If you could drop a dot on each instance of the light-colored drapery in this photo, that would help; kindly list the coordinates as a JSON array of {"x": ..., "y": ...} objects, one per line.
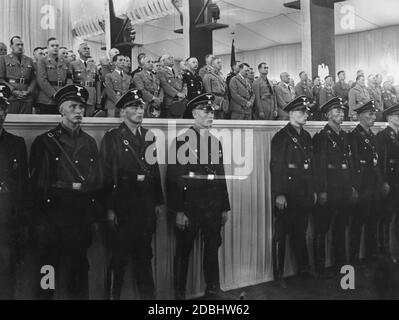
[{"x": 35, "y": 21}]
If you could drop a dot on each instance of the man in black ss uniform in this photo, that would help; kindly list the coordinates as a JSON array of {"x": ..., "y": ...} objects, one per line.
[
  {"x": 368, "y": 183},
  {"x": 134, "y": 196},
  {"x": 192, "y": 80},
  {"x": 293, "y": 188},
  {"x": 334, "y": 175},
  {"x": 198, "y": 196},
  {"x": 65, "y": 179},
  {"x": 388, "y": 152},
  {"x": 13, "y": 178}
]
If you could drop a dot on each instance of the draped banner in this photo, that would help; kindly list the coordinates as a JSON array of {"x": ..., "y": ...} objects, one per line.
[{"x": 35, "y": 21}]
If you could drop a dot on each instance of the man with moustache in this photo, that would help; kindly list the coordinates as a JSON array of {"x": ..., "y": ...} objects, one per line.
[
  {"x": 65, "y": 180},
  {"x": 134, "y": 197},
  {"x": 242, "y": 95},
  {"x": 215, "y": 84},
  {"x": 335, "y": 186},
  {"x": 293, "y": 188},
  {"x": 388, "y": 151},
  {"x": 18, "y": 71},
  {"x": 13, "y": 179},
  {"x": 368, "y": 183},
  {"x": 198, "y": 196}
]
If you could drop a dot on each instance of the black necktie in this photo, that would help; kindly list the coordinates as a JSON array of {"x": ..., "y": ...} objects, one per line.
[
  {"x": 85, "y": 64},
  {"x": 122, "y": 74}
]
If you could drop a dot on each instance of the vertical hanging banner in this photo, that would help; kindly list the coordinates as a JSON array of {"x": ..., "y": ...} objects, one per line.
[
  {"x": 54, "y": 20},
  {"x": 35, "y": 21}
]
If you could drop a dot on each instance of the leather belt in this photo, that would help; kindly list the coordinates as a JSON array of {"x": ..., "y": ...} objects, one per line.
[
  {"x": 344, "y": 166},
  {"x": 86, "y": 83},
  {"x": 57, "y": 83},
  {"x": 294, "y": 166},
  {"x": 76, "y": 186},
  {"x": 19, "y": 81}
]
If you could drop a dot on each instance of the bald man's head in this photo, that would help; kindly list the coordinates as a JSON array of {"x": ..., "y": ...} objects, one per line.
[{"x": 285, "y": 77}]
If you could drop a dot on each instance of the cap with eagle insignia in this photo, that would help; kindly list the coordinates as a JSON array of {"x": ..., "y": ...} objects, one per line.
[
  {"x": 368, "y": 106},
  {"x": 132, "y": 98},
  {"x": 204, "y": 102},
  {"x": 5, "y": 93},
  {"x": 71, "y": 93},
  {"x": 298, "y": 104},
  {"x": 334, "y": 103},
  {"x": 391, "y": 110}
]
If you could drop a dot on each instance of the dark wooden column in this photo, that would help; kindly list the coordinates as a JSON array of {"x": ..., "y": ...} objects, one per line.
[
  {"x": 318, "y": 35},
  {"x": 200, "y": 39}
]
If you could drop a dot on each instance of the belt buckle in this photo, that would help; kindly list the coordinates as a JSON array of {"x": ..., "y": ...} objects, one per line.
[
  {"x": 344, "y": 166},
  {"x": 211, "y": 177},
  {"x": 87, "y": 84},
  {"x": 140, "y": 177},
  {"x": 76, "y": 186},
  {"x": 59, "y": 84},
  {"x": 22, "y": 81},
  {"x": 306, "y": 166},
  {"x": 12, "y": 81}
]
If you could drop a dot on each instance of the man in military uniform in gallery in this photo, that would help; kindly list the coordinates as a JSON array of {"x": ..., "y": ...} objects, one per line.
[
  {"x": 293, "y": 187},
  {"x": 198, "y": 196},
  {"x": 65, "y": 180},
  {"x": 134, "y": 197},
  {"x": 192, "y": 80},
  {"x": 117, "y": 84},
  {"x": 140, "y": 61},
  {"x": 86, "y": 74},
  {"x": 18, "y": 71},
  {"x": 13, "y": 178},
  {"x": 327, "y": 92},
  {"x": 388, "y": 152},
  {"x": 368, "y": 183},
  {"x": 388, "y": 95},
  {"x": 208, "y": 65},
  {"x": 242, "y": 95},
  {"x": 265, "y": 107},
  {"x": 333, "y": 169},
  {"x": 150, "y": 86},
  {"x": 172, "y": 85},
  {"x": 215, "y": 84},
  {"x": 284, "y": 95},
  {"x": 53, "y": 73}
]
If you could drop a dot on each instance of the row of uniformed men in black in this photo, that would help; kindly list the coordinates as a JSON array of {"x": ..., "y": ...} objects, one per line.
[
  {"x": 69, "y": 177},
  {"x": 349, "y": 178}
]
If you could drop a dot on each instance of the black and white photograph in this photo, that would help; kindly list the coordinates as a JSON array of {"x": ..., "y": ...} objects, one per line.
[{"x": 199, "y": 156}]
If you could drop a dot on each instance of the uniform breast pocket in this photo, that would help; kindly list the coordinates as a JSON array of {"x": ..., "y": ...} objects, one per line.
[{"x": 14, "y": 168}]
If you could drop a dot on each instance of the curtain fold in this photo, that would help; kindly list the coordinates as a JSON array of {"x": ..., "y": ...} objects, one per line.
[{"x": 27, "y": 18}]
